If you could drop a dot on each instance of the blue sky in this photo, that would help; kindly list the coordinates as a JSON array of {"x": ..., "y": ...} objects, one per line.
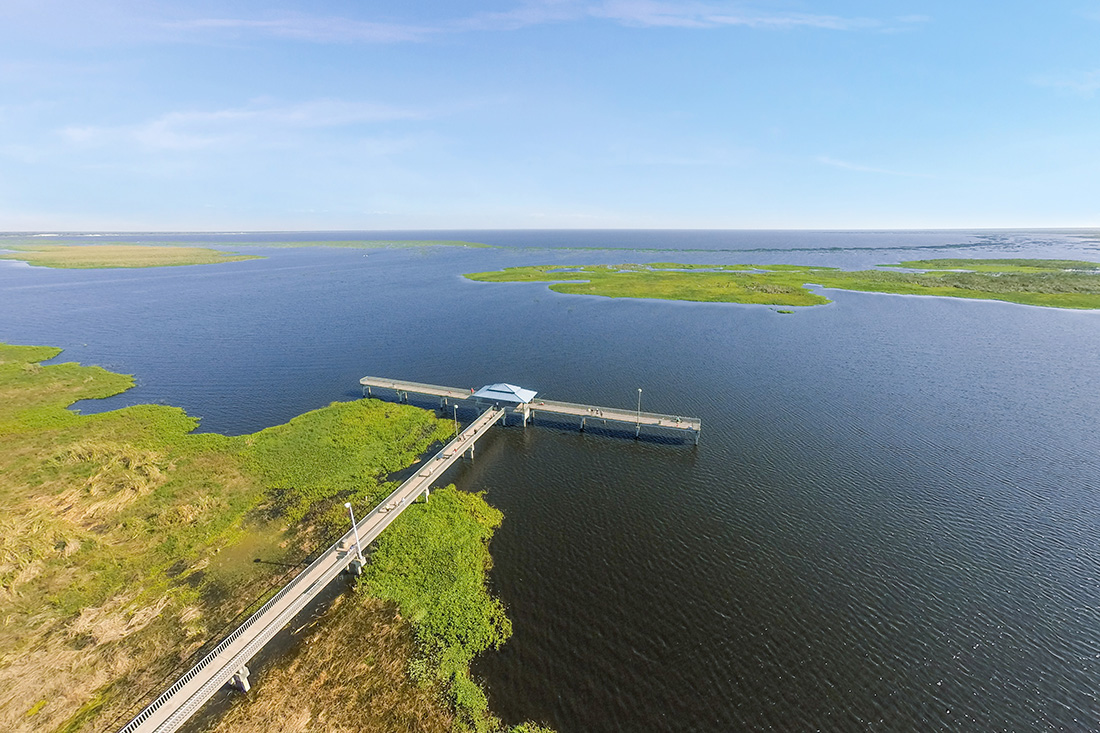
[{"x": 148, "y": 115}]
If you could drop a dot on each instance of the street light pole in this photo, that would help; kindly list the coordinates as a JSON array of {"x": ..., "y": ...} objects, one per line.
[
  {"x": 456, "y": 419},
  {"x": 638, "y": 430},
  {"x": 355, "y": 530}
]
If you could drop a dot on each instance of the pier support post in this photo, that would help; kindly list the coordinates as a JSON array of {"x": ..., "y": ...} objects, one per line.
[
  {"x": 240, "y": 680},
  {"x": 638, "y": 431},
  {"x": 355, "y": 568},
  {"x": 582, "y": 423}
]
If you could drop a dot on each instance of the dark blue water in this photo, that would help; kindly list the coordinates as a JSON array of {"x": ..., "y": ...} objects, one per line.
[{"x": 892, "y": 521}]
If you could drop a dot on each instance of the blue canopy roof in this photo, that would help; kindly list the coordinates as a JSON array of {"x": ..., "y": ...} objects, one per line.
[{"x": 505, "y": 393}]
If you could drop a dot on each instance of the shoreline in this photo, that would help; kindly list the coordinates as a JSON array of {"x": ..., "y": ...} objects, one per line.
[{"x": 139, "y": 538}]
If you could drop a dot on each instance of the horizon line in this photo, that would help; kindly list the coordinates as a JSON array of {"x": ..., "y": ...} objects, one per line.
[{"x": 227, "y": 231}]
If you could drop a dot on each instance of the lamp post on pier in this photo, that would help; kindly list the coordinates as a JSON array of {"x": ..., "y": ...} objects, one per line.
[
  {"x": 456, "y": 418},
  {"x": 638, "y": 429}
]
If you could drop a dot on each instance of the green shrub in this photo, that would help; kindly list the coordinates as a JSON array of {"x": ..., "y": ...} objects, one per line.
[{"x": 433, "y": 562}]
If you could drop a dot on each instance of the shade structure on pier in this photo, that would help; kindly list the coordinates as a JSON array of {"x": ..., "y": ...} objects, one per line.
[{"x": 505, "y": 393}]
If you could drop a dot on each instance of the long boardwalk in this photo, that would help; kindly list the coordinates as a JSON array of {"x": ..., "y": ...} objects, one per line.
[
  {"x": 228, "y": 661},
  {"x": 528, "y": 410}
]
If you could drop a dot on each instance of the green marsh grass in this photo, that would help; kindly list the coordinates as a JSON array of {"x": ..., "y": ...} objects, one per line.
[
  {"x": 110, "y": 255},
  {"x": 105, "y": 256},
  {"x": 1049, "y": 283}
]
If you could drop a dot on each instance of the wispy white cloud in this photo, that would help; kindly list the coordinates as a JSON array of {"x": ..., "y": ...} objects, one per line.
[
  {"x": 111, "y": 21},
  {"x": 848, "y": 166},
  {"x": 197, "y": 130},
  {"x": 631, "y": 13},
  {"x": 670, "y": 14},
  {"x": 529, "y": 13},
  {"x": 652, "y": 13},
  {"x": 308, "y": 28},
  {"x": 1085, "y": 83}
]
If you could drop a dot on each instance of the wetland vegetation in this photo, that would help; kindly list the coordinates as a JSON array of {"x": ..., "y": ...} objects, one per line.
[
  {"x": 120, "y": 255},
  {"x": 129, "y": 544},
  {"x": 1051, "y": 283},
  {"x": 102, "y": 256}
]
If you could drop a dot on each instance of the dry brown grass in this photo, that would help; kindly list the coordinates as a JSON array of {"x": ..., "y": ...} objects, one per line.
[
  {"x": 116, "y": 619},
  {"x": 61, "y": 672},
  {"x": 121, "y": 474},
  {"x": 348, "y": 673},
  {"x": 56, "y": 667},
  {"x": 73, "y": 678},
  {"x": 57, "y": 520}
]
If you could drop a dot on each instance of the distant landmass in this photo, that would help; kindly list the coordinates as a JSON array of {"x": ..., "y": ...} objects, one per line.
[
  {"x": 1049, "y": 283},
  {"x": 114, "y": 255}
]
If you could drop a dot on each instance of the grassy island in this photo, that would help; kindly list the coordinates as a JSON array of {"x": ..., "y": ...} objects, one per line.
[
  {"x": 114, "y": 255},
  {"x": 129, "y": 544},
  {"x": 1051, "y": 283},
  {"x": 102, "y": 256}
]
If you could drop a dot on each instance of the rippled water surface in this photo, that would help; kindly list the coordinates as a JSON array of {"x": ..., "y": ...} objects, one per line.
[{"x": 892, "y": 521}]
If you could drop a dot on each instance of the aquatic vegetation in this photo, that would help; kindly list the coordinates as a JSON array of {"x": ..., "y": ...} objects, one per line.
[
  {"x": 340, "y": 452},
  {"x": 433, "y": 564},
  {"x": 1052, "y": 283}
]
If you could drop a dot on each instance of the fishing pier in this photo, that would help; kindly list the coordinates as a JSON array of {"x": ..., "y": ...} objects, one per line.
[
  {"x": 227, "y": 663},
  {"x": 523, "y": 403}
]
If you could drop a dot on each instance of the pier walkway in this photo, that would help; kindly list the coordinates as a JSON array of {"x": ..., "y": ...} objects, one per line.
[
  {"x": 527, "y": 406},
  {"x": 227, "y": 663},
  {"x": 633, "y": 417},
  {"x": 403, "y": 388}
]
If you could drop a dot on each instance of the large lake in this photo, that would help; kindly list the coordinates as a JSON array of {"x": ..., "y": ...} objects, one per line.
[{"x": 891, "y": 523}]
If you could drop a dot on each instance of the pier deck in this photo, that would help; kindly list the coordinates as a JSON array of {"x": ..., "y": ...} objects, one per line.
[
  {"x": 400, "y": 386},
  {"x": 633, "y": 417},
  {"x": 529, "y": 409}
]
